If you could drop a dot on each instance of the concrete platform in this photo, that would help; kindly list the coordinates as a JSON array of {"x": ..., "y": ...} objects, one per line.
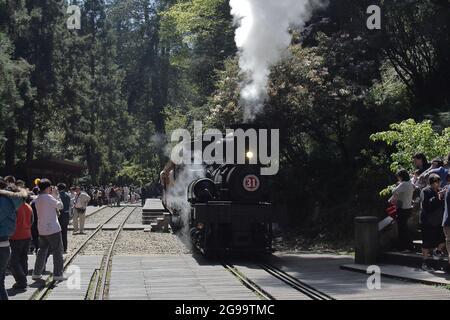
[
  {"x": 134, "y": 227},
  {"x": 93, "y": 210},
  {"x": 277, "y": 288},
  {"x": 412, "y": 259},
  {"x": 184, "y": 277},
  {"x": 323, "y": 272},
  {"x": 66, "y": 290},
  {"x": 111, "y": 226},
  {"x": 406, "y": 273},
  {"x": 75, "y": 289},
  {"x": 32, "y": 285},
  {"x": 87, "y": 226},
  {"x": 172, "y": 277},
  {"x": 153, "y": 205},
  {"x": 130, "y": 226}
]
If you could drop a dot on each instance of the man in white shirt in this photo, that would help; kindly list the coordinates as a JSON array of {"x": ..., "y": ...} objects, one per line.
[
  {"x": 126, "y": 194},
  {"x": 72, "y": 195},
  {"x": 402, "y": 197},
  {"x": 79, "y": 210},
  {"x": 48, "y": 205}
]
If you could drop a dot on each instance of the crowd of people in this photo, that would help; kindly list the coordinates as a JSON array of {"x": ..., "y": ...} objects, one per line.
[
  {"x": 37, "y": 221},
  {"x": 428, "y": 190},
  {"x": 39, "y": 218},
  {"x": 113, "y": 195}
]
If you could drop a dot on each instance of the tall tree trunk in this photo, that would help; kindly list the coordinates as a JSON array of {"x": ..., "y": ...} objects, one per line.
[
  {"x": 30, "y": 145},
  {"x": 91, "y": 163},
  {"x": 164, "y": 84},
  {"x": 10, "y": 150}
]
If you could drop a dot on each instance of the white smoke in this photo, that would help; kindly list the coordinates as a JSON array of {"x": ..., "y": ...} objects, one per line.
[
  {"x": 262, "y": 38},
  {"x": 177, "y": 195}
]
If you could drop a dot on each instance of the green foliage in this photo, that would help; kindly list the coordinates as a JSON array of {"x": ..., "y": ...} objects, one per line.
[
  {"x": 410, "y": 137},
  {"x": 200, "y": 34},
  {"x": 415, "y": 40},
  {"x": 224, "y": 102},
  {"x": 196, "y": 20},
  {"x": 137, "y": 173}
]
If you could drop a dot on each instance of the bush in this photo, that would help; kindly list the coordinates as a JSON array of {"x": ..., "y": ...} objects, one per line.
[{"x": 409, "y": 137}]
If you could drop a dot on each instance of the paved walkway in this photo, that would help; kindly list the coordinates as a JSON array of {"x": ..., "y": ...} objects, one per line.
[
  {"x": 184, "y": 277},
  {"x": 323, "y": 272},
  {"x": 66, "y": 290},
  {"x": 173, "y": 277},
  {"x": 77, "y": 287},
  {"x": 407, "y": 273},
  {"x": 277, "y": 288}
]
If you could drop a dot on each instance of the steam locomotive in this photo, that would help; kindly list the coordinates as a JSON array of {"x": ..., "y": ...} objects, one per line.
[{"x": 224, "y": 205}]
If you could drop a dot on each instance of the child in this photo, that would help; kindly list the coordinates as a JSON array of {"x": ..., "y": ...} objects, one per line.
[{"x": 20, "y": 245}]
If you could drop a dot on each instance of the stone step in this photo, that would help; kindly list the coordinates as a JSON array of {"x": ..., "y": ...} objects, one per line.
[
  {"x": 153, "y": 219},
  {"x": 404, "y": 273},
  {"x": 153, "y": 214},
  {"x": 152, "y": 205},
  {"x": 412, "y": 259},
  {"x": 154, "y": 227}
]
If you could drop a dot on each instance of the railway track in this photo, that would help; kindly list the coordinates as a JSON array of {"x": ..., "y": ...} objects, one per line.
[
  {"x": 42, "y": 292},
  {"x": 303, "y": 288},
  {"x": 300, "y": 286},
  {"x": 248, "y": 283},
  {"x": 103, "y": 280}
]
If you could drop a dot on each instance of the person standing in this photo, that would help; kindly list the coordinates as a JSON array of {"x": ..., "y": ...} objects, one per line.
[
  {"x": 10, "y": 200},
  {"x": 72, "y": 195},
  {"x": 64, "y": 216},
  {"x": 431, "y": 217},
  {"x": 108, "y": 194},
  {"x": 79, "y": 210},
  {"x": 144, "y": 194},
  {"x": 20, "y": 245},
  {"x": 48, "y": 205},
  {"x": 119, "y": 193},
  {"x": 112, "y": 196},
  {"x": 126, "y": 194},
  {"x": 423, "y": 168},
  {"x": 441, "y": 170},
  {"x": 421, "y": 162},
  {"x": 402, "y": 197},
  {"x": 446, "y": 222},
  {"x": 34, "y": 226}
]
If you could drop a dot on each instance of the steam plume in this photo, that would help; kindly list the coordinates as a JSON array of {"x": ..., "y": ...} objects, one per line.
[
  {"x": 262, "y": 38},
  {"x": 177, "y": 195}
]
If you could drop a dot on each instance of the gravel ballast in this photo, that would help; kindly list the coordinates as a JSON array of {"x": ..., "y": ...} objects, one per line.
[{"x": 138, "y": 243}]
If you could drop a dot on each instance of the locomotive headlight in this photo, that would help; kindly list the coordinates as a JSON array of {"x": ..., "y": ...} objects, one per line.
[
  {"x": 200, "y": 226},
  {"x": 249, "y": 155}
]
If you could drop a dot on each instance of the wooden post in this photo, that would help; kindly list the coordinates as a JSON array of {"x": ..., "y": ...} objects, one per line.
[{"x": 366, "y": 240}]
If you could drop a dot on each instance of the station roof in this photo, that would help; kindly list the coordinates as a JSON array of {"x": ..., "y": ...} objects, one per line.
[{"x": 57, "y": 165}]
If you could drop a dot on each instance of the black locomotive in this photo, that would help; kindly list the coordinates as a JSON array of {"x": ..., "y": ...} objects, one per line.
[{"x": 227, "y": 204}]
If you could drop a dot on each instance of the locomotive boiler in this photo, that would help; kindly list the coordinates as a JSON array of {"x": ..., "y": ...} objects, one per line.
[{"x": 224, "y": 205}]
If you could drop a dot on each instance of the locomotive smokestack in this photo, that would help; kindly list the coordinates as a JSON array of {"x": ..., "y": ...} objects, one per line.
[{"x": 262, "y": 38}]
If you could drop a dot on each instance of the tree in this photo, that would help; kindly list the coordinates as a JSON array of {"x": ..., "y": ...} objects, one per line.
[
  {"x": 98, "y": 116},
  {"x": 15, "y": 91},
  {"x": 200, "y": 38},
  {"x": 409, "y": 137},
  {"x": 416, "y": 38}
]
